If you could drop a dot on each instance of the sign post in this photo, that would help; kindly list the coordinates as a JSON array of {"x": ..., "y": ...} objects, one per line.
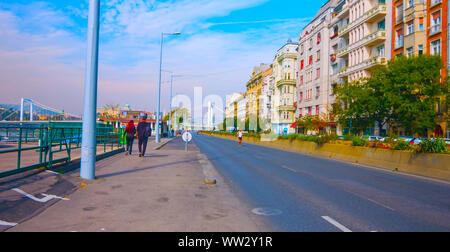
[{"x": 187, "y": 137}]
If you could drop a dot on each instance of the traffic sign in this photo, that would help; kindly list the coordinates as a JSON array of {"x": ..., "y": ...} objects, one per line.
[{"x": 187, "y": 137}]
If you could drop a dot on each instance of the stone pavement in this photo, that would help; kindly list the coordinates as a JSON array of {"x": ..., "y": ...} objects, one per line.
[{"x": 163, "y": 192}]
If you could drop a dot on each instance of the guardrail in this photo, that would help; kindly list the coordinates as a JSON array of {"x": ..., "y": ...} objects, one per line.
[{"x": 50, "y": 140}]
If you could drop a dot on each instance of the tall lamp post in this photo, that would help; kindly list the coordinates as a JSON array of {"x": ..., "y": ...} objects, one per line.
[
  {"x": 157, "y": 139},
  {"x": 89, "y": 140}
]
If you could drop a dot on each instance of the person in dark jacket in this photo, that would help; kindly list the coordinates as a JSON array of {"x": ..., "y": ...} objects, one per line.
[
  {"x": 144, "y": 131},
  {"x": 130, "y": 131}
]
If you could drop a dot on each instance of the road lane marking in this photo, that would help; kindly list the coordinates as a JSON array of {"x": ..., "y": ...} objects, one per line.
[
  {"x": 43, "y": 200},
  {"x": 287, "y": 168},
  {"x": 4, "y": 223},
  {"x": 378, "y": 203},
  {"x": 337, "y": 224}
]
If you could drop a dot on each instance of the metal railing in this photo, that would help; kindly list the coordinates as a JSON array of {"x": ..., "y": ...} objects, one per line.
[{"x": 46, "y": 140}]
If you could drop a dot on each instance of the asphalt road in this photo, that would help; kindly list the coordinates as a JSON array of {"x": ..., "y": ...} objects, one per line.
[{"x": 295, "y": 192}]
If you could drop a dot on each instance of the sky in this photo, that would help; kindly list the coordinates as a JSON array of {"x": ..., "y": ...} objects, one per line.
[{"x": 43, "y": 47}]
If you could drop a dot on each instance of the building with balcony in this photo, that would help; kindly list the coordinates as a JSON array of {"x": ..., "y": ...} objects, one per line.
[
  {"x": 284, "y": 90},
  {"x": 255, "y": 97},
  {"x": 363, "y": 30},
  {"x": 319, "y": 63},
  {"x": 420, "y": 27}
]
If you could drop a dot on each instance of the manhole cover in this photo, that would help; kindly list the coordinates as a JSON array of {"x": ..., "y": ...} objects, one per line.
[{"x": 266, "y": 211}]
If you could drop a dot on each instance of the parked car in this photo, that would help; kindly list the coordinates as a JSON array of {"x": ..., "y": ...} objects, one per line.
[
  {"x": 415, "y": 141},
  {"x": 373, "y": 138}
]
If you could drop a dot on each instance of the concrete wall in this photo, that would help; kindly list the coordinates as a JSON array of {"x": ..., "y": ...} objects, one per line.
[{"x": 428, "y": 165}]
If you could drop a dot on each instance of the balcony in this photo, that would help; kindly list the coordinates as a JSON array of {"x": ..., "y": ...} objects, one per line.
[
  {"x": 375, "y": 13},
  {"x": 375, "y": 38},
  {"x": 286, "y": 56},
  {"x": 286, "y": 82},
  {"x": 435, "y": 29},
  {"x": 343, "y": 51},
  {"x": 343, "y": 72},
  {"x": 376, "y": 61},
  {"x": 286, "y": 108}
]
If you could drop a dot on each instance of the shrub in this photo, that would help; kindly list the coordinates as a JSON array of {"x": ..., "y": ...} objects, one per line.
[
  {"x": 348, "y": 137},
  {"x": 437, "y": 145},
  {"x": 402, "y": 145},
  {"x": 356, "y": 141}
]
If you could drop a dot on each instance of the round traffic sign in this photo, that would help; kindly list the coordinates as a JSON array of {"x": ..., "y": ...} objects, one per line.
[{"x": 187, "y": 136}]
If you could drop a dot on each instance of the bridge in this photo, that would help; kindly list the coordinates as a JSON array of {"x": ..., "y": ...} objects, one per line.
[{"x": 32, "y": 110}]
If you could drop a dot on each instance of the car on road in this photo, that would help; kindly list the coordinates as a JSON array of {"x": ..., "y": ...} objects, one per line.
[{"x": 415, "y": 141}]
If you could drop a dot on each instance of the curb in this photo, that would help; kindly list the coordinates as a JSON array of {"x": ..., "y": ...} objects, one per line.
[
  {"x": 208, "y": 170},
  {"x": 162, "y": 145}
]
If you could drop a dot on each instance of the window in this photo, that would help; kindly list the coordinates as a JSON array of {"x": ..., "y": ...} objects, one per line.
[
  {"x": 410, "y": 28},
  {"x": 301, "y": 64},
  {"x": 381, "y": 25},
  {"x": 399, "y": 38},
  {"x": 420, "y": 49},
  {"x": 380, "y": 51},
  {"x": 420, "y": 24},
  {"x": 435, "y": 26},
  {"x": 318, "y": 55},
  {"x": 317, "y": 109},
  {"x": 318, "y": 73},
  {"x": 319, "y": 38},
  {"x": 309, "y": 110},
  {"x": 435, "y": 47},
  {"x": 310, "y": 59},
  {"x": 410, "y": 3},
  {"x": 301, "y": 96},
  {"x": 301, "y": 80},
  {"x": 317, "y": 92},
  {"x": 410, "y": 52}
]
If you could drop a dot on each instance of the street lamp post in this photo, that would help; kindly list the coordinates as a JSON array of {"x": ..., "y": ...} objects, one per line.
[
  {"x": 157, "y": 139},
  {"x": 89, "y": 141}
]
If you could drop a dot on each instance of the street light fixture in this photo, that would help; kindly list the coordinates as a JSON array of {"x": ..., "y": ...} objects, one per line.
[{"x": 157, "y": 139}]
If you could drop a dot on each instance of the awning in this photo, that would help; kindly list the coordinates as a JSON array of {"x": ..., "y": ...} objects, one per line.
[{"x": 294, "y": 125}]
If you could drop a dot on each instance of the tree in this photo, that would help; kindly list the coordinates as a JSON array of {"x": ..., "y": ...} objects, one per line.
[
  {"x": 413, "y": 88},
  {"x": 404, "y": 94}
]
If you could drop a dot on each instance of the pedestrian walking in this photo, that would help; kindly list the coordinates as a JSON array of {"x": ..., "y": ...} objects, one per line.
[
  {"x": 144, "y": 132},
  {"x": 240, "y": 134},
  {"x": 130, "y": 131}
]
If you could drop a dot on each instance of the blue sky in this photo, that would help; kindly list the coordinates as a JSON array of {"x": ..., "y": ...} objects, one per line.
[{"x": 42, "y": 50}]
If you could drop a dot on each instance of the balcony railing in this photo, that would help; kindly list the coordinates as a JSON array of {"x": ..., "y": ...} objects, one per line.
[
  {"x": 434, "y": 29},
  {"x": 373, "y": 13},
  {"x": 375, "y": 37},
  {"x": 286, "y": 108},
  {"x": 286, "y": 82}
]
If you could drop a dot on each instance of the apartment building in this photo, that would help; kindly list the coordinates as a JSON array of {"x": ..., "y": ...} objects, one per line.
[
  {"x": 314, "y": 79},
  {"x": 231, "y": 111},
  {"x": 254, "y": 95},
  {"x": 421, "y": 27},
  {"x": 284, "y": 91},
  {"x": 364, "y": 37}
]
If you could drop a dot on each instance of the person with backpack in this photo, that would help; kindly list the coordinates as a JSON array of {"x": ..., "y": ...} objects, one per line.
[
  {"x": 130, "y": 131},
  {"x": 144, "y": 131}
]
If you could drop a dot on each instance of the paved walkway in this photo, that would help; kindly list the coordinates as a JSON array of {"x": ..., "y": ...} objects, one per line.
[{"x": 165, "y": 191}]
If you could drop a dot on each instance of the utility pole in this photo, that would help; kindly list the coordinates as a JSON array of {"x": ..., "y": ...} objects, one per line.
[{"x": 89, "y": 139}]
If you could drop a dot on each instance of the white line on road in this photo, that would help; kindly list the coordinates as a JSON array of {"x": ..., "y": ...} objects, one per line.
[
  {"x": 337, "y": 224},
  {"x": 378, "y": 203},
  {"x": 287, "y": 168},
  {"x": 43, "y": 200},
  {"x": 4, "y": 223}
]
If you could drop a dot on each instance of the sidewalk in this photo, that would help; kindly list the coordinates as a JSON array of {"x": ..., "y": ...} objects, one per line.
[{"x": 163, "y": 192}]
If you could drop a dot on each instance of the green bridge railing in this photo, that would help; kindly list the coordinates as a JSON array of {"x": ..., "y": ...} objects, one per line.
[{"x": 50, "y": 138}]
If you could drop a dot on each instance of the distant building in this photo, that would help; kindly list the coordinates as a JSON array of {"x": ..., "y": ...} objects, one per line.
[{"x": 284, "y": 90}]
